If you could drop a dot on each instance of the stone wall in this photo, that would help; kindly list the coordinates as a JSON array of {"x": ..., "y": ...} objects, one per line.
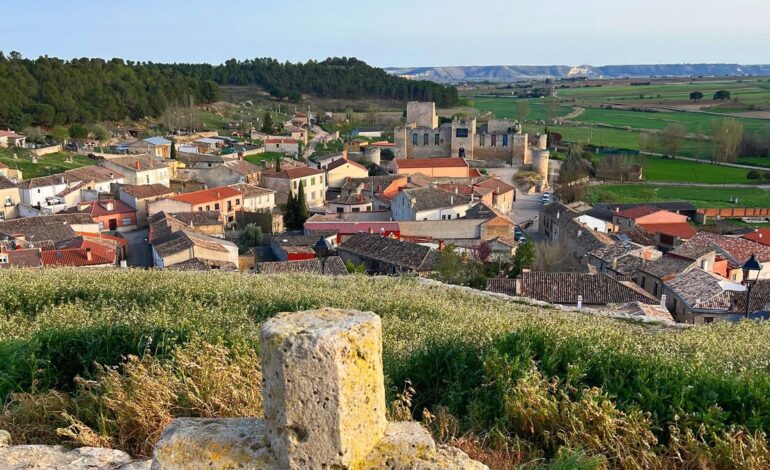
[{"x": 422, "y": 114}]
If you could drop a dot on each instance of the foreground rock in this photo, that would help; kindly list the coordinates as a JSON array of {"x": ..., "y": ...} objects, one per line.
[
  {"x": 34, "y": 457},
  {"x": 324, "y": 407}
]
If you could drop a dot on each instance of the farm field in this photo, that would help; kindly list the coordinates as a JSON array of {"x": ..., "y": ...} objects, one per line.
[
  {"x": 187, "y": 344},
  {"x": 46, "y": 165},
  {"x": 665, "y": 169},
  {"x": 505, "y": 108},
  {"x": 698, "y": 196}
]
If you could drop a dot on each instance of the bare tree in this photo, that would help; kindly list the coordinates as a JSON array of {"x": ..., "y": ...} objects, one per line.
[
  {"x": 554, "y": 256},
  {"x": 726, "y": 135},
  {"x": 649, "y": 142},
  {"x": 671, "y": 138}
]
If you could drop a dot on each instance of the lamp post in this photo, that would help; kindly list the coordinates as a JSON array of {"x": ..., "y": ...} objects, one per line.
[{"x": 750, "y": 265}]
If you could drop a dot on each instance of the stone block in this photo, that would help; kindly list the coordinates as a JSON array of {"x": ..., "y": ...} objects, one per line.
[
  {"x": 191, "y": 444},
  {"x": 324, "y": 391},
  {"x": 41, "y": 457}
]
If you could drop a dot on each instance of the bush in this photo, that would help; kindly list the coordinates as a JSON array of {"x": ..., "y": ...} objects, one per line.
[{"x": 754, "y": 175}]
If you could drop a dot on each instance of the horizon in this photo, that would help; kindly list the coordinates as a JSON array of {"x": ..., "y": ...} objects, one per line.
[{"x": 598, "y": 34}]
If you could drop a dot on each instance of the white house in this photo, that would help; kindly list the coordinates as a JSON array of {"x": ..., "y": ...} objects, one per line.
[
  {"x": 140, "y": 169},
  {"x": 429, "y": 204},
  {"x": 282, "y": 145},
  {"x": 596, "y": 224}
]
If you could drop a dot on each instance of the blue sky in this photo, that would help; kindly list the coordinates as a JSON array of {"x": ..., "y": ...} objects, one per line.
[{"x": 394, "y": 32}]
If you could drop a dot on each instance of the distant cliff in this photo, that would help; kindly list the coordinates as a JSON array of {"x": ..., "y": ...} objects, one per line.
[{"x": 510, "y": 73}]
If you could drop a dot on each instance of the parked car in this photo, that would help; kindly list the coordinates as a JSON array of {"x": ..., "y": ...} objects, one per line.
[
  {"x": 527, "y": 224},
  {"x": 519, "y": 235},
  {"x": 546, "y": 198}
]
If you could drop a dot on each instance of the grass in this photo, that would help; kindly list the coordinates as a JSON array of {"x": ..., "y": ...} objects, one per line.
[
  {"x": 505, "y": 108},
  {"x": 334, "y": 146},
  {"x": 666, "y": 169},
  {"x": 693, "y": 122},
  {"x": 698, "y": 196},
  {"x": 530, "y": 382},
  {"x": 46, "y": 165}
]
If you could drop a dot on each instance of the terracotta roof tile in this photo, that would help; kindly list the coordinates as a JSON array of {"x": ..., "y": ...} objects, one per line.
[{"x": 207, "y": 195}]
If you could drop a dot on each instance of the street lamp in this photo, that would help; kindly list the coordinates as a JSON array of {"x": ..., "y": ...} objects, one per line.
[{"x": 750, "y": 265}]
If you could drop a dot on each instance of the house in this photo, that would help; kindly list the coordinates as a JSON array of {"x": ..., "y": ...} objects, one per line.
[
  {"x": 596, "y": 224},
  {"x": 43, "y": 192},
  {"x": 606, "y": 211},
  {"x": 10, "y": 173},
  {"x": 8, "y": 138},
  {"x": 331, "y": 266},
  {"x": 429, "y": 204},
  {"x": 440, "y": 167},
  {"x": 388, "y": 256},
  {"x": 199, "y": 161},
  {"x": 606, "y": 258},
  {"x": 759, "y": 235},
  {"x": 140, "y": 196},
  {"x": 730, "y": 254},
  {"x": 89, "y": 254},
  {"x": 46, "y": 231},
  {"x": 382, "y": 189},
  {"x": 282, "y": 145},
  {"x": 224, "y": 174},
  {"x": 351, "y": 203},
  {"x": 297, "y": 133},
  {"x": 495, "y": 223},
  {"x": 503, "y": 194},
  {"x": 341, "y": 170},
  {"x": 140, "y": 169},
  {"x": 155, "y": 146},
  {"x": 225, "y": 200},
  {"x": 699, "y": 296},
  {"x": 300, "y": 247},
  {"x": 10, "y": 195},
  {"x": 558, "y": 224},
  {"x": 347, "y": 224},
  {"x": 186, "y": 249},
  {"x": 206, "y": 222},
  {"x": 566, "y": 288},
  {"x": 54, "y": 193},
  {"x": 12, "y": 257},
  {"x": 208, "y": 144},
  {"x": 287, "y": 181},
  {"x": 651, "y": 276},
  {"x": 256, "y": 199},
  {"x": 101, "y": 179},
  {"x": 669, "y": 228},
  {"x": 110, "y": 214}
]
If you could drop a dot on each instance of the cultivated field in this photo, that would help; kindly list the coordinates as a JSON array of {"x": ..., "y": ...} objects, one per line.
[{"x": 510, "y": 383}]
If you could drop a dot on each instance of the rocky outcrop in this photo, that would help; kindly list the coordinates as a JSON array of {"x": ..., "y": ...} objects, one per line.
[
  {"x": 324, "y": 407},
  {"x": 39, "y": 457}
]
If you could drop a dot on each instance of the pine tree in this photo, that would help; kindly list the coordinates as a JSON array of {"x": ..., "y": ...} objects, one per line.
[
  {"x": 302, "y": 212},
  {"x": 267, "y": 123},
  {"x": 290, "y": 214}
]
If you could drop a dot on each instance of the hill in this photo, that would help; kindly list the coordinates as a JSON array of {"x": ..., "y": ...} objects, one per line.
[
  {"x": 512, "y": 73},
  {"x": 510, "y": 383}
]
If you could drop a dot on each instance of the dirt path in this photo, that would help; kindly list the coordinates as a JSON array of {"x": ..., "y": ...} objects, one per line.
[{"x": 576, "y": 111}]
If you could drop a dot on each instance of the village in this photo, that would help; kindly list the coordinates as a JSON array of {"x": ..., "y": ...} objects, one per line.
[{"x": 434, "y": 192}]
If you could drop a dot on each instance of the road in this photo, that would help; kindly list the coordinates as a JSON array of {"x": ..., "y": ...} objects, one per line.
[
  {"x": 526, "y": 206},
  {"x": 139, "y": 253},
  {"x": 319, "y": 134}
]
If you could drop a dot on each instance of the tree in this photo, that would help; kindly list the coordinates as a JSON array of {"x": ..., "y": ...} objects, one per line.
[
  {"x": 722, "y": 95},
  {"x": 649, "y": 142},
  {"x": 522, "y": 110},
  {"x": 267, "y": 123},
  {"x": 551, "y": 107},
  {"x": 278, "y": 163},
  {"x": 302, "y": 211},
  {"x": 172, "y": 154},
  {"x": 449, "y": 267},
  {"x": 100, "y": 132},
  {"x": 671, "y": 138},
  {"x": 726, "y": 136},
  {"x": 696, "y": 95},
  {"x": 78, "y": 131},
  {"x": 523, "y": 258},
  {"x": 60, "y": 133},
  {"x": 251, "y": 237}
]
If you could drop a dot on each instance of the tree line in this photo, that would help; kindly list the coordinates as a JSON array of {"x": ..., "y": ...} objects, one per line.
[{"x": 49, "y": 91}]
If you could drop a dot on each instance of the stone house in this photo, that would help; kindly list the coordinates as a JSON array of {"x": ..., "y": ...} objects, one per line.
[
  {"x": 139, "y": 197},
  {"x": 282, "y": 145},
  {"x": 330, "y": 266},
  {"x": 429, "y": 204},
  {"x": 669, "y": 228},
  {"x": 8, "y": 138},
  {"x": 287, "y": 181},
  {"x": 351, "y": 203},
  {"x": 557, "y": 223},
  {"x": 652, "y": 276},
  {"x": 110, "y": 214},
  {"x": 387, "y": 256},
  {"x": 10, "y": 196},
  {"x": 155, "y": 146},
  {"x": 699, "y": 296},
  {"x": 185, "y": 249},
  {"x": 255, "y": 198},
  {"x": 206, "y": 222},
  {"x": 225, "y": 200},
  {"x": 140, "y": 169},
  {"x": 731, "y": 252}
]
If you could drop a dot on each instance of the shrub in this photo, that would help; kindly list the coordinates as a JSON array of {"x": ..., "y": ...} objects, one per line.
[{"x": 754, "y": 175}]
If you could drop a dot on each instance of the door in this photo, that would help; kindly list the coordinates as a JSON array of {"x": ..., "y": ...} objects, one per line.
[{"x": 113, "y": 224}]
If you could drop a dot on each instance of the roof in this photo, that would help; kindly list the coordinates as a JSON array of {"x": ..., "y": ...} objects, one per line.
[
  {"x": 636, "y": 212},
  {"x": 564, "y": 288},
  {"x": 144, "y": 191},
  {"x": 281, "y": 141},
  {"x": 138, "y": 162},
  {"x": 36, "y": 230},
  {"x": 79, "y": 256},
  {"x": 404, "y": 255},
  {"x": 157, "y": 141},
  {"x": 605, "y": 211},
  {"x": 640, "y": 309},
  {"x": 759, "y": 235},
  {"x": 666, "y": 266},
  {"x": 681, "y": 230},
  {"x": 432, "y": 163},
  {"x": 209, "y": 140},
  {"x": 5, "y": 183},
  {"x": 702, "y": 289},
  {"x": 197, "y": 218},
  {"x": 285, "y": 240},
  {"x": 202, "y": 264},
  {"x": 251, "y": 190},
  {"x": 189, "y": 157},
  {"x": 101, "y": 208},
  {"x": 51, "y": 180},
  {"x": 93, "y": 173},
  {"x": 352, "y": 200},
  {"x": 24, "y": 258},
  {"x": 243, "y": 167},
  {"x": 207, "y": 195},
  {"x": 736, "y": 249},
  {"x": 482, "y": 210},
  {"x": 10, "y": 133},
  {"x": 184, "y": 240},
  {"x": 342, "y": 161},
  {"x": 331, "y": 266},
  {"x": 103, "y": 236},
  {"x": 498, "y": 186},
  {"x": 292, "y": 173},
  {"x": 616, "y": 250},
  {"x": 429, "y": 198}
]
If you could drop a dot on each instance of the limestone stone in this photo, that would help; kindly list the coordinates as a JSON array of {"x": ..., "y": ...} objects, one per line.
[
  {"x": 324, "y": 391},
  {"x": 39, "y": 457},
  {"x": 5, "y": 438},
  {"x": 199, "y": 443}
]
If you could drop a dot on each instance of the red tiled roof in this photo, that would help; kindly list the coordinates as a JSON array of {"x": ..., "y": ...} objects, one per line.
[
  {"x": 79, "y": 256},
  {"x": 120, "y": 241},
  {"x": 432, "y": 163},
  {"x": 496, "y": 185},
  {"x": 636, "y": 212},
  {"x": 338, "y": 163},
  {"x": 99, "y": 208},
  {"x": 207, "y": 195},
  {"x": 146, "y": 190},
  {"x": 9, "y": 133},
  {"x": 737, "y": 249},
  {"x": 681, "y": 230},
  {"x": 760, "y": 235},
  {"x": 473, "y": 173}
]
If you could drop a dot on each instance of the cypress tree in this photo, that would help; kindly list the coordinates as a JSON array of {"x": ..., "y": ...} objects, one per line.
[
  {"x": 302, "y": 212},
  {"x": 172, "y": 155}
]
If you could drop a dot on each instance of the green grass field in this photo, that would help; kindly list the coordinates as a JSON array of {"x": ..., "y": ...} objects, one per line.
[
  {"x": 665, "y": 169},
  {"x": 698, "y": 196},
  {"x": 46, "y": 165},
  {"x": 269, "y": 156},
  {"x": 505, "y": 108},
  {"x": 694, "y": 122}
]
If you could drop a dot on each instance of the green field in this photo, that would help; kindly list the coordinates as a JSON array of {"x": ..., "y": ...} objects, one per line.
[
  {"x": 665, "y": 169},
  {"x": 46, "y": 165},
  {"x": 528, "y": 384},
  {"x": 505, "y": 108},
  {"x": 269, "y": 156},
  {"x": 698, "y": 196}
]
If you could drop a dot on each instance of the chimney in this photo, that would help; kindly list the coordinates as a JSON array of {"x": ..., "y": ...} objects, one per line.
[
  {"x": 704, "y": 264},
  {"x": 451, "y": 200},
  {"x": 63, "y": 181},
  {"x": 617, "y": 209},
  {"x": 580, "y": 233},
  {"x": 89, "y": 255},
  {"x": 580, "y": 301},
  {"x": 112, "y": 175},
  {"x": 615, "y": 262},
  {"x": 441, "y": 245},
  {"x": 136, "y": 165},
  {"x": 646, "y": 255},
  {"x": 663, "y": 300},
  {"x": 558, "y": 214}
]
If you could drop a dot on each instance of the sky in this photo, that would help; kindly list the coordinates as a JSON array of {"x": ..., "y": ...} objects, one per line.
[{"x": 394, "y": 32}]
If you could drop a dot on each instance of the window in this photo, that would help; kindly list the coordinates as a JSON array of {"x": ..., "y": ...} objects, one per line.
[
  {"x": 494, "y": 140},
  {"x": 482, "y": 138},
  {"x": 238, "y": 201},
  {"x": 312, "y": 195},
  {"x": 216, "y": 206},
  {"x": 449, "y": 217},
  {"x": 147, "y": 178},
  {"x": 126, "y": 220},
  {"x": 312, "y": 181},
  {"x": 208, "y": 208},
  {"x": 461, "y": 133},
  {"x": 339, "y": 209},
  {"x": 436, "y": 139},
  {"x": 425, "y": 139},
  {"x": 505, "y": 140},
  {"x": 321, "y": 179},
  {"x": 101, "y": 225},
  {"x": 38, "y": 191},
  {"x": 414, "y": 139},
  {"x": 3, "y": 258},
  {"x": 356, "y": 209},
  {"x": 655, "y": 292},
  {"x": 443, "y": 217},
  {"x": 295, "y": 184},
  {"x": 8, "y": 201},
  {"x": 708, "y": 319}
]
